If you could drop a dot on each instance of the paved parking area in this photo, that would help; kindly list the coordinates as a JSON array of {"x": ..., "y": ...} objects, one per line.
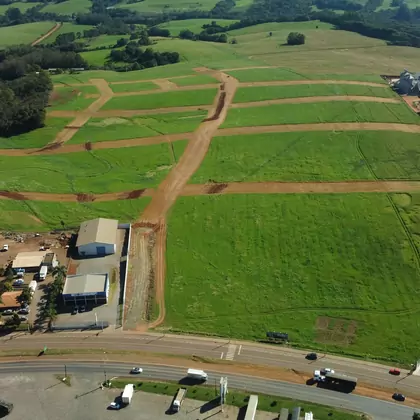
[{"x": 43, "y": 396}]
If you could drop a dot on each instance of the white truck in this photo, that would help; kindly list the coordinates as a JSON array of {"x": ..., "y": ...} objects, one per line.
[
  {"x": 179, "y": 398},
  {"x": 127, "y": 394},
  {"x": 198, "y": 375},
  {"x": 43, "y": 273}
]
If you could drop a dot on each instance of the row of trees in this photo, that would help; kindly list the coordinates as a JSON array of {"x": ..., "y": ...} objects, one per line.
[{"x": 54, "y": 292}]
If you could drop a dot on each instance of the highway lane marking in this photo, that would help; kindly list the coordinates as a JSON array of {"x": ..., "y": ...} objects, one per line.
[
  {"x": 221, "y": 356},
  {"x": 239, "y": 351},
  {"x": 230, "y": 355}
]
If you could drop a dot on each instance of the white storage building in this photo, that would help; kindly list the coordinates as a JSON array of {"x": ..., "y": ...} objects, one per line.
[
  {"x": 84, "y": 288},
  {"x": 97, "y": 237}
]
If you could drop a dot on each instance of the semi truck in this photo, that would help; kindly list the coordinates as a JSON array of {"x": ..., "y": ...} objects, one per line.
[
  {"x": 198, "y": 375},
  {"x": 127, "y": 394},
  {"x": 343, "y": 383},
  {"x": 178, "y": 400}
]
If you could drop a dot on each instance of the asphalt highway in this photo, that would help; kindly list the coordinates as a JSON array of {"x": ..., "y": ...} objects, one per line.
[
  {"x": 242, "y": 352},
  {"x": 379, "y": 410}
]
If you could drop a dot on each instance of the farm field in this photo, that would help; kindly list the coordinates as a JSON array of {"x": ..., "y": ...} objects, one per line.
[
  {"x": 23, "y": 34},
  {"x": 222, "y": 250},
  {"x": 22, "y": 6},
  {"x": 101, "y": 171},
  {"x": 72, "y": 98},
  {"x": 263, "y": 93},
  {"x": 163, "y": 100},
  {"x": 133, "y": 87},
  {"x": 159, "y": 6},
  {"x": 194, "y": 25},
  {"x": 68, "y": 7},
  {"x": 46, "y": 215},
  {"x": 96, "y": 58},
  {"x": 36, "y": 138},
  {"x": 351, "y": 111},
  {"x": 108, "y": 129},
  {"x": 201, "y": 79},
  {"x": 65, "y": 28}
]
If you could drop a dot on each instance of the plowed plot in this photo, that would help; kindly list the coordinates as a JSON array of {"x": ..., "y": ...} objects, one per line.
[
  {"x": 320, "y": 112},
  {"x": 94, "y": 172},
  {"x": 72, "y": 98},
  {"x": 108, "y": 129},
  {"x": 163, "y": 100},
  {"x": 311, "y": 156},
  {"x": 239, "y": 266}
]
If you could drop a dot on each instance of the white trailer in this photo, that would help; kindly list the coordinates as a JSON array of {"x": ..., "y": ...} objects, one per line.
[
  {"x": 179, "y": 398},
  {"x": 127, "y": 394},
  {"x": 196, "y": 374},
  {"x": 43, "y": 272}
]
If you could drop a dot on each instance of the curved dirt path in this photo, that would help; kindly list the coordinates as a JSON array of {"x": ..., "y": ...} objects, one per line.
[
  {"x": 311, "y": 82},
  {"x": 301, "y": 187},
  {"x": 311, "y": 99},
  {"x": 406, "y": 128},
  {"x": 49, "y": 33}
]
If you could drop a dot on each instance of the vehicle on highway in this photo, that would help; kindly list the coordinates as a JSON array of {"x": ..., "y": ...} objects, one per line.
[
  {"x": 197, "y": 374},
  {"x": 136, "y": 370},
  {"x": 318, "y": 377},
  {"x": 326, "y": 370},
  {"x": 127, "y": 394},
  {"x": 178, "y": 400},
  {"x": 5, "y": 248},
  {"x": 7, "y": 312},
  {"x": 114, "y": 406},
  {"x": 394, "y": 371},
  {"x": 398, "y": 397},
  {"x": 340, "y": 382},
  {"x": 311, "y": 356}
]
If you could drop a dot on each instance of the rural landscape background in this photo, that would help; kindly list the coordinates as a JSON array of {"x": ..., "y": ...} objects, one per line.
[{"x": 281, "y": 182}]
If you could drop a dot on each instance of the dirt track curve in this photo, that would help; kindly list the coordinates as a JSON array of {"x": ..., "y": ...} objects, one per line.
[{"x": 56, "y": 27}]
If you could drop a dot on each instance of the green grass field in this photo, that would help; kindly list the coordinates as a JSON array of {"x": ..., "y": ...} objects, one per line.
[
  {"x": 68, "y": 7},
  {"x": 163, "y": 100},
  {"x": 263, "y": 93},
  {"x": 311, "y": 156},
  {"x": 23, "y": 34},
  {"x": 194, "y": 25},
  {"x": 320, "y": 112},
  {"x": 35, "y": 138},
  {"x": 22, "y": 6},
  {"x": 133, "y": 87},
  {"x": 95, "y": 172},
  {"x": 96, "y": 58},
  {"x": 160, "y": 6},
  {"x": 66, "y": 27},
  {"x": 201, "y": 79},
  {"x": 72, "y": 98},
  {"x": 105, "y": 40},
  {"x": 108, "y": 129},
  {"x": 46, "y": 215},
  {"x": 238, "y": 266}
]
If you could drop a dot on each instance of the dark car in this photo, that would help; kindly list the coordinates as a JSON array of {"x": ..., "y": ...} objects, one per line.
[
  {"x": 398, "y": 397},
  {"x": 82, "y": 308},
  {"x": 75, "y": 310},
  {"x": 311, "y": 356}
]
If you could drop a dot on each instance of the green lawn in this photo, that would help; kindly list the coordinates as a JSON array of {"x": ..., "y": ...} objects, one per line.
[
  {"x": 23, "y": 34},
  {"x": 194, "y": 25},
  {"x": 336, "y": 271},
  {"x": 201, "y": 79},
  {"x": 22, "y": 6},
  {"x": 72, "y": 98},
  {"x": 179, "y": 69},
  {"x": 163, "y": 100},
  {"x": 96, "y": 58},
  {"x": 45, "y": 215},
  {"x": 95, "y": 172},
  {"x": 311, "y": 156},
  {"x": 133, "y": 87},
  {"x": 320, "y": 112},
  {"x": 66, "y": 27},
  {"x": 263, "y": 93},
  {"x": 108, "y": 129},
  {"x": 68, "y": 7},
  {"x": 35, "y": 138}
]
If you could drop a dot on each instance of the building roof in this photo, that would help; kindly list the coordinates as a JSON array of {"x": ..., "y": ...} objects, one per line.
[
  {"x": 28, "y": 259},
  {"x": 9, "y": 300},
  {"x": 85, "y": 284},
  {"x": 100, "y": 230}
]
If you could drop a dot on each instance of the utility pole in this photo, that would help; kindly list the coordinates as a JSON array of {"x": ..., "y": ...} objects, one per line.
[{"x": 65, "y": 372}]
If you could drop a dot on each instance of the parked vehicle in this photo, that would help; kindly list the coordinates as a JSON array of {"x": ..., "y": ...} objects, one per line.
[
  {"x": 23, "y": 311},
  {"x": 311, "y": 356},
  {"x": 20, "y": 272},
  {"x": 114, "y": 406},
  {"x": 18, "y": 282},
  {"x": 43, "y": 273},
  {"x": 23, "y": 318},
  {"x": 127, "y": 394},
  {"x": 136, "y": 370},
  {"x": 178, "y": 400},
  {"x": 75, "y": 310},
  {"x": 7, "y": 312},
  {"x": 199, "y": 375},
  {"x": 82, "y": 308},
  {"x": 395, "y": 371},
  {"x": 5, "y": 248},
  {"x": 398, "y": 397}
]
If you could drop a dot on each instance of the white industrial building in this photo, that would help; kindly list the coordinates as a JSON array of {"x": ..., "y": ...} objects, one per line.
[
  {"x": 97, "y": 237},
  {"x": 84, "y": 288},
  {"x": 29, "y": 261}
]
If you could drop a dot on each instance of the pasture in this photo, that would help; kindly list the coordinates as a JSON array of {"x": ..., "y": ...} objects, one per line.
[
  {"x": 72, "y": 98},
  {"x": 238, "y": 266},
  {"x": 109, "y": 129},
  {"x": 65, "y": 28},
  {"x": 133, "y": 87},
  {"x": 23, "y": 34},
  {"x": 22, "y": 6},
  {"x": 162, "y": 100},
  {"x": 36, "y": 138},
  {"x": 263, "y": 93},
  {"x": 96, "y": 57},
  {"x": 38, "y": 216},
  {"x": 311, "y": 156},
  {"x": 101, "y": 171},
  {"x": 68, "y": 7},
  {"x": 350, "y": 111},
  {"x": 194, "y": 25},
  {"x": 200, "y": 79},
  {"x": 160, "y": 6}
]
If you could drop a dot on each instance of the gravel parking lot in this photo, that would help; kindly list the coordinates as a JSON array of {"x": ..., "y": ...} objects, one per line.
[{"x": 44, "y": 397}]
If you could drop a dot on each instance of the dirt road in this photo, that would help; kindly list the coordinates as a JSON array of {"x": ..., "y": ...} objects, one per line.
[{"x": 56, "y": 27}]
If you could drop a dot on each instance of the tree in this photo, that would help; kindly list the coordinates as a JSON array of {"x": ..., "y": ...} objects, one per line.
[
  {"x": 403, "y": 13},
  {"x": 13, "y": 14},
  {"x": 295, "y": 38},
  {"x": 122, "y": 42},
  {"x": 59, "y": 272},
  {"x": 416, "y": 416},
  {"x": 25, "y": 296},
  {"x": 270, "y": 34},
  {"x": 7, "y": 286},
  {"x": 186, "y": 34}
]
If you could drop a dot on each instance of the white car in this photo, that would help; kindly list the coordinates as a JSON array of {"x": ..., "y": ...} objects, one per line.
[
  {"x": 324, "y": 371},
  {"x": 8, "y": 312},
  {"x": 5, "y": 247},
  {"x": 114, "y": 406},
  {"x": 136, "y": 370},
  {"x": 318, "y": 377}
]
